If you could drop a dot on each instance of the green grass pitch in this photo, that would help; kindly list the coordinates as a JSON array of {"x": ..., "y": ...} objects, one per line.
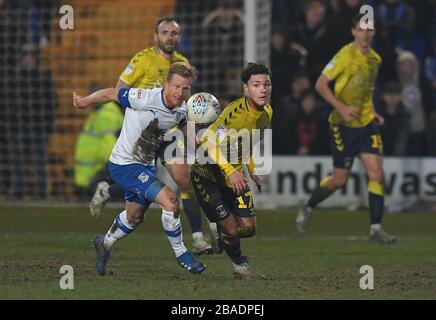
[{"x": 36, "y": 241}]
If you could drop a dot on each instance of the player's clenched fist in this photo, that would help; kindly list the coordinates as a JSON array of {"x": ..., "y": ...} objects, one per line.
[{"x": 79, "y": 101}]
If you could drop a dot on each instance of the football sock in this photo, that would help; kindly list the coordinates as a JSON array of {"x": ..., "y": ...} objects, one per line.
[
  {"x": 119, "y": 229},
  {"x": 192, "y": 211},
  {"x": 173, "y": 230},
  {"x": 232, "y": 246},
  {"x": 376, "y": 202},
  {"x": 116, "y": 191},
  {"x": 197, "y": 236},
  {"x": 373, "y": 228},
  {"x": 320, "y": 194}
]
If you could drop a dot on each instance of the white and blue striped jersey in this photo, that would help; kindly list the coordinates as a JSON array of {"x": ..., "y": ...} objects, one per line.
[{"x": 142, "y": 107}]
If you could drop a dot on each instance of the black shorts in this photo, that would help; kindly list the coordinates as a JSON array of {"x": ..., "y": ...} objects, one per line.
[
  {"x": 218, "y": 202},
  {"x": 346, "y": 143}
]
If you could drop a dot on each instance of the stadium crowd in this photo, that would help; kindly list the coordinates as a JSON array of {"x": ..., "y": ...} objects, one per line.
[
  {"x": 28, "y": 96},
  {"x": 306, "y": 34}
]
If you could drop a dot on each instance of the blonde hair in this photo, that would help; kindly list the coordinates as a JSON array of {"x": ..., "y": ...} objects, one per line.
[{"x": 183, "y": 69}]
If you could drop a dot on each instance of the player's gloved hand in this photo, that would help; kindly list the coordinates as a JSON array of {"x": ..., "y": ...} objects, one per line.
[
  {"x": 238, "y": 181},
  {"x": 78, "y": 101},
  {"x": 347, "y": 112},
  {"x": 256, "y": 180}
]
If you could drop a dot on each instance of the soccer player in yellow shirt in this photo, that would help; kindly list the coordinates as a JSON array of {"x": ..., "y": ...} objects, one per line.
[
  {"x": 354, "y": 126},
  {"x": 148, "y": 69},
  {"x": 219, "y": 184}
]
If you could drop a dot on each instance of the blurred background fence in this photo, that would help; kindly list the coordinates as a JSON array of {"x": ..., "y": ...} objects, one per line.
[{"x": 41, "y": 65}]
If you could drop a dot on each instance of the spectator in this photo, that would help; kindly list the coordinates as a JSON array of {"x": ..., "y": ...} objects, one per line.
[
  {"x": 38, "y": 15},
  {"x": 47, "y": 10},
  {"x": 35, "y": 103},
  {"x": 285, "y": 11},
  {"x": 282, "y": 64},
  {"x": 308, "y": 36},
  {"x": 394, "y": 33},
  {"x": 395, "y": 131},
  {"x": 398, "y": 21},
  {"x": 411, "y": 96},
  {"x": 298, "y": 84},
  {"x": 225, "y": 37},
  {"x": 339, "y": 25},
  {"x": 11, "y": 40},
  {"x": 93, "y": 148},
  {"x": 310, "y": 132},
  {"x": 425, "y": 11},
  {"x": 430, "y": 72},
  {"x": 286, "y": 110}
]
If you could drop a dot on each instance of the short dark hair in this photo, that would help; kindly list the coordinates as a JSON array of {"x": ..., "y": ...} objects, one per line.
[
  {"x": 165, "y": 20},
  {"x": 308, "y": 93},
  {"x": 302, "y": 73},
  {"x": 252, "y": 68},
  {"x": 357, "y": 18},
  {"x": 391, "y": 87}
]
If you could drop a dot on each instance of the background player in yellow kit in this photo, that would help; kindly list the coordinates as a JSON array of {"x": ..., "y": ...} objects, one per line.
[
  {"x": 220, "y": 186},
  {"x": 148, "y": 69},
  {"x": 354, "y": 126}
]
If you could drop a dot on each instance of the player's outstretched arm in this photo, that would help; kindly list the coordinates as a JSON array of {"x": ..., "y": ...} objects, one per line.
[
  {"x": 96, "y": 98},
  {"x": 121, "y": 84}
]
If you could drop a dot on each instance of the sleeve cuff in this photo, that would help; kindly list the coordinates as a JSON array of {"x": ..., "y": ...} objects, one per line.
[
  {"x": 124, "y": 80},
  {"x": 228, "y": 170},
  {"x": 123, "y": 97},
  {"x": 327, "y": 76}
]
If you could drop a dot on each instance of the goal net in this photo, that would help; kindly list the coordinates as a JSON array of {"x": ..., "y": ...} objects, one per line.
[{"x": 42, "y": 64}]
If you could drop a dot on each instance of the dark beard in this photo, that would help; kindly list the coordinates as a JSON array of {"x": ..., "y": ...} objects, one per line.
[{"x": 161, "y": 46}]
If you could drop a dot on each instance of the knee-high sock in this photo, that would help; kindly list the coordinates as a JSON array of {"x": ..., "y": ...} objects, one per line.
[
  {"x": 232, "y": 246},
  {"x": 119, "y": 229},
  {"x": 173, "y": 230},
  {"x": 320, "y": 194},
  {"x": 376, "y": 202},
  {"x": 192, "y": 211}
]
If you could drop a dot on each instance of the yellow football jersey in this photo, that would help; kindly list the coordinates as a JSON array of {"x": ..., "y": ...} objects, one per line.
[
  {"x": 354, "y": 75},
  {"x": 148, "y": 69},
  {"x": 227, "y": 134}
]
